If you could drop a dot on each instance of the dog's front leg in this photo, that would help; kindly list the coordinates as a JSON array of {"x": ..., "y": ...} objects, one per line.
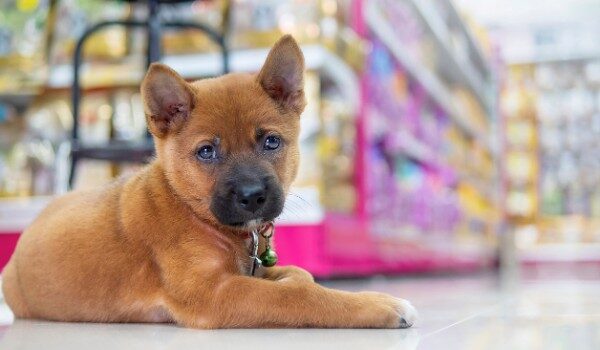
[{"x": 236, "y": 301}]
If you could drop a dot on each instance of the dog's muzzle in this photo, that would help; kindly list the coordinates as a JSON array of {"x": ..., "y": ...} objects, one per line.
[{"x": 247, "y": 197}]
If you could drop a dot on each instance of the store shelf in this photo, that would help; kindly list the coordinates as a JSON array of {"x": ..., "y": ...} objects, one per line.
[
  {"x": 19, "y": 99},
  {"x": 482, "y": 188},
  {"x": 416, "y": 149},
  {"x": 552, "y": 57},
  {"x": 424, "y": 76},
  {"x": 464, "y": 72},
  {"x": 316, "y": 58},
  {"x": 195, "y": 66},
  {"x": 406, "y": 144},
  {"x": 559, "y": 252},
  {"x": 475, "y": 47}
]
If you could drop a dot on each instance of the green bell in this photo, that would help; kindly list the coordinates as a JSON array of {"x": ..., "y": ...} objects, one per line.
[{"x": 268, "y": 257}]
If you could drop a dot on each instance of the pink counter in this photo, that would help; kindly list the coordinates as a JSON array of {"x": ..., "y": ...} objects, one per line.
[{"x": 8, "y": 241}]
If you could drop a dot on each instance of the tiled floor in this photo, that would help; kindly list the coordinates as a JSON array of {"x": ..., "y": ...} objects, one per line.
[{"x": 457, "y": 312}]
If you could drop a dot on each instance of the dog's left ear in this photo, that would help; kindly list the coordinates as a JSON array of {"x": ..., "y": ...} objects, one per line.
[
  {"x": 168, "y": 100},
  {"x": 282, "y": 75}
]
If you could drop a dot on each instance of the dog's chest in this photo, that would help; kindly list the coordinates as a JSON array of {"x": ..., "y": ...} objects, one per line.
[
  {"x": 238, "y": 252},
  {"x": 244, "y": 259}
]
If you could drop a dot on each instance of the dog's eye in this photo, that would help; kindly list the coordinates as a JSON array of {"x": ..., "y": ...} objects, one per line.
[
  {"x": 272, "y": 143},
  {"x": 207, "y": 152}
]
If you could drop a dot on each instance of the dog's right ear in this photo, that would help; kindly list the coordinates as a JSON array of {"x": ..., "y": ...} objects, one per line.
[{"x": 168, "y": 99}]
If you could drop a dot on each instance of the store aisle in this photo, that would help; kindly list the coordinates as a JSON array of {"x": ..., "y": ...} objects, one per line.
[{"x": 475, "y": 312}]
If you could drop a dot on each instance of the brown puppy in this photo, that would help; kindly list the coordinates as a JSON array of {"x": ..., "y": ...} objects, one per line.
[{"x": 168, "y": 244}]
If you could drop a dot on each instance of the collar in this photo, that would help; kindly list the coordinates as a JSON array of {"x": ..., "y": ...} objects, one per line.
[{"x": 266, "y": 231}]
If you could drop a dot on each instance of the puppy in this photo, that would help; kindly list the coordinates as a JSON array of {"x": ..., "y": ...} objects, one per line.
[{"x": 169, "y": 243}]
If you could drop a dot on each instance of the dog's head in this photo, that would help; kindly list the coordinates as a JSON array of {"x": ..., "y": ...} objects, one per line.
[{"x": 229, "y": 145}]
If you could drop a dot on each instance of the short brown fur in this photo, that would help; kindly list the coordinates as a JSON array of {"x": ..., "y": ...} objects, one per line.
[{"x": 147, "y": 248}]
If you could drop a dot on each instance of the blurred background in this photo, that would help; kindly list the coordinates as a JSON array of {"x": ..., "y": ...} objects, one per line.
[
  {"x": 439, "y": 135},
  {"x": 452, "y": 144}
]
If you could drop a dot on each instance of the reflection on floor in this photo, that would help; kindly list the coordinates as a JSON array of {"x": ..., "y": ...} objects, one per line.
[{"x": 537, "y": 311}]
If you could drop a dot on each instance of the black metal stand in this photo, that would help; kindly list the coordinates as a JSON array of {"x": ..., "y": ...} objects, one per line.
[{"x": 122, "y": 151}]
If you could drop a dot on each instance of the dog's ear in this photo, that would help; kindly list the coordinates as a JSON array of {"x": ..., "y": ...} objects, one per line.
[
  {"x": 282, "y": 75},
  {"x": 168, "y": 99}
]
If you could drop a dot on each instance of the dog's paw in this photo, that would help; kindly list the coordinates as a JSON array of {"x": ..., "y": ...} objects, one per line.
[
  {"x": 407, "y": 313},
  {"x": 391, "y": 312}
]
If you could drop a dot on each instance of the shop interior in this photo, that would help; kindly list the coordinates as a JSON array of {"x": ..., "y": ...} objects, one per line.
[{"x": 450, "y": 152}]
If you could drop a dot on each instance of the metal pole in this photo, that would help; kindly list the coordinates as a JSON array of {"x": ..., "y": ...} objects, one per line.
[
  {"x": 153, "y": 53},
  {"x": 76, "y": 84}
]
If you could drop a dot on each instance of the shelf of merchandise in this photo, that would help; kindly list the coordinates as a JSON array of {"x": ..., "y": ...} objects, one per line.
[
  {"x": 412, "y": 147},
  {"x": 409, "y": 255},
  {"x": 427, "y": 78},
  {"x": 194, "y": 66},
  {"x": 560, "y": 252},
  {"x": 473, "y": 43},
  {"x": 561, "y": 230},
  {"x": 404, "y": 143},
  {"x": 20, "y": 99},
  {"x": 439, "y": 31}
]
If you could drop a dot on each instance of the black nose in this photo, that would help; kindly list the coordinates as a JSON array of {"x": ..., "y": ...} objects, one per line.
[{"x": 251, "y": 197}]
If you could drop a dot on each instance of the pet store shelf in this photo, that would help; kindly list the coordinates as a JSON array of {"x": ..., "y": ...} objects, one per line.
[
  {"x": 403, "y": 142},
  {"x": 20, "y": 99},
  {"x": 464, "y": 72},
  {"x": 559, "y": 252},
  {"x": 472, "y": 41},
  {"x": 316, "y": 58},
  {"x": 424, "y": 76},
  {"x": 406, "y": 144},
  {"x": 193, "y": 66}
]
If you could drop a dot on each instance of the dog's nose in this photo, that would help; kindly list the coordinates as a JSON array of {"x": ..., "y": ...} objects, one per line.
[{"x": 251, "y": 197}]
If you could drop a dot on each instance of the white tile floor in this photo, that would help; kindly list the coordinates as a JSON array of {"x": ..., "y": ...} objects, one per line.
[{"x": 457, "y": 312}]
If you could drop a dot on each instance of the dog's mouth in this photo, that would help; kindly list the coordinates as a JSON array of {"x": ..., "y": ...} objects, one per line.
[
  {"x": 229, "y": 217},
  {"x": 248, "y": 225}
]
